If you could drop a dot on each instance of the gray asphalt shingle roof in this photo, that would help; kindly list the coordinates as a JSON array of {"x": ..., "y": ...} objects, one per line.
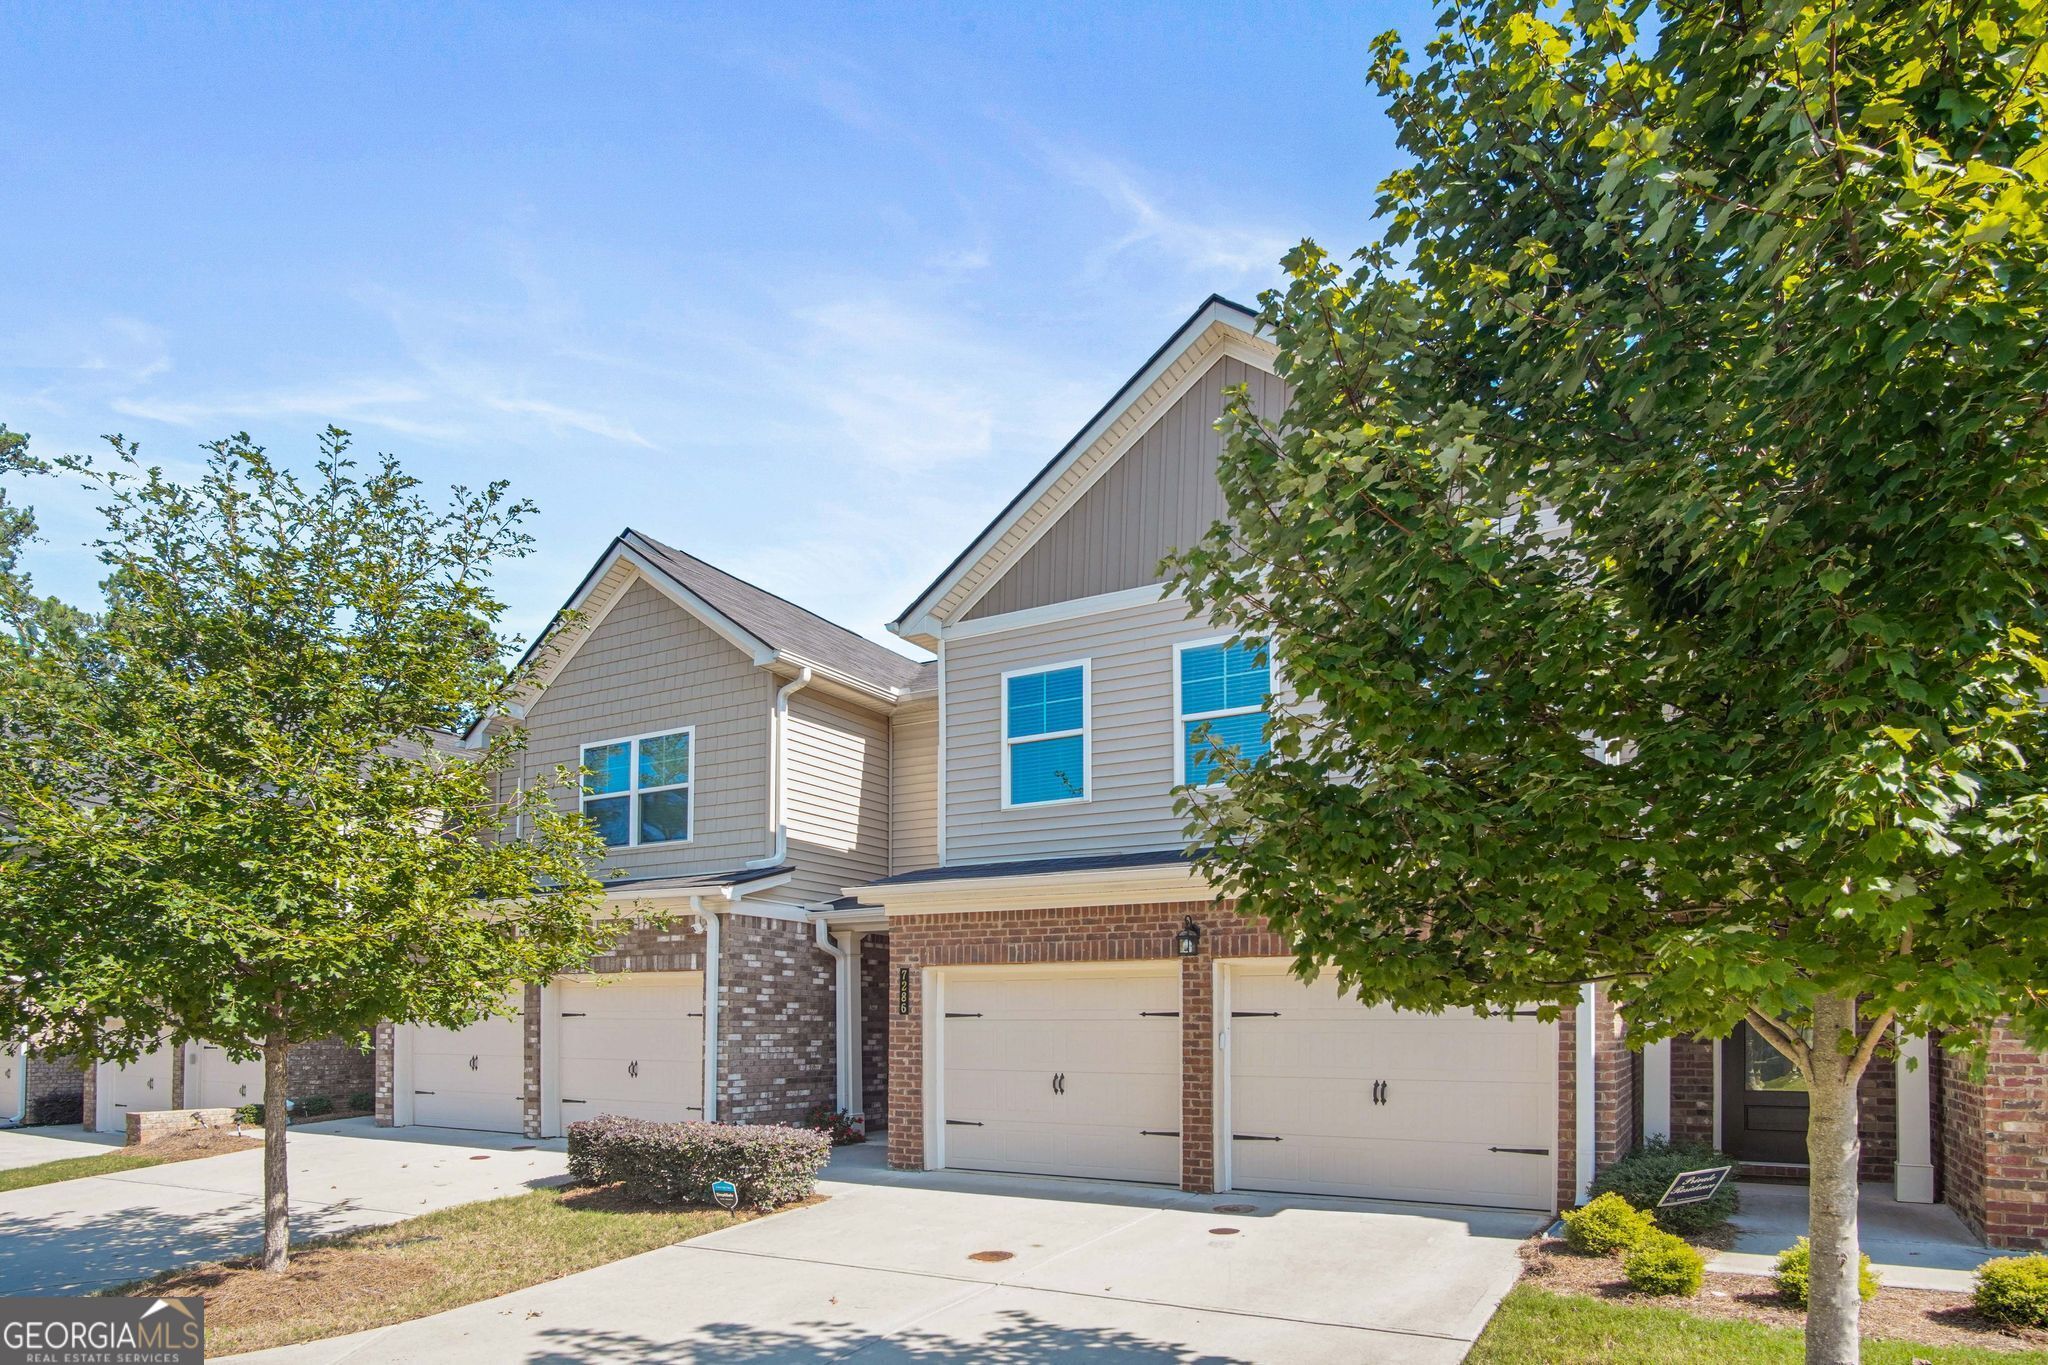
[{"x": 783, "y": 625}]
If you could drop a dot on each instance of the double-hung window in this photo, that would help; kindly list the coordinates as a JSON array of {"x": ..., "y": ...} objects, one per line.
[
  {"x": 1045, "y": 735},
  {"x": 637, "y": 791},
  {"x": 1221, "y": 690}
]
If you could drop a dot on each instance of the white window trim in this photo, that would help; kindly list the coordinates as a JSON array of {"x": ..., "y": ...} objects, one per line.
[
  {"x": 1181, "y": 718},
  {"x": 1087, "y": 733},
  {"x": 634, "y": 791}
]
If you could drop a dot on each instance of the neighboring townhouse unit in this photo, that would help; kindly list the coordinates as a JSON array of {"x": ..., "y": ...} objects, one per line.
[
  {"x": 203, "y": 1076},
  {"x": 740, "y": 762},
  {"x": 36, "y": 1088},
  {"x": 1066, "y": 996}
]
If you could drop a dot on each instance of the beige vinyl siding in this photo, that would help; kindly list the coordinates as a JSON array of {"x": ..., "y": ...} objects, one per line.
[
  {"x": 837, "y": 802},
  {"x": 650, "y": 666},
  {"x": 914, "y": 787},
  {"x": 1160, "y": 495},
  {"x": 1131, "y": 729}
]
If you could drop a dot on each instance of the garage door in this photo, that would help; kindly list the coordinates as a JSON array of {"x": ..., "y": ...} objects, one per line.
[
  {"x": 1076, "y": 1074},
  {"x": 471, "y": 1077},
  {"x": 633, "y": 1046},
  {"x": 1328, "y": 1096},
  {"x": 142, "y": 1085},
  {"x": 213, "y": 1080}
]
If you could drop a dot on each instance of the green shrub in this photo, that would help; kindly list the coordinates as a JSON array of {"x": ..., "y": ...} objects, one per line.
[
  {"x": 1664, "y": 1264},
  {"x": 2014, "y": 1290},
  {"x": 362, "y": 1101},
  {"x": 675, "y": 1163},
  {"x": 250, "y": 1116},
  {"x": 1795, "y": 1276},
  {"x": 315, "y": 1105},
  {"x": 1644, "y": 1174},
  {"x": 1606, "y": 1225}
]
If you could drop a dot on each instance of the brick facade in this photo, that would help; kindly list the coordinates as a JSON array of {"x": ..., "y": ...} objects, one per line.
[
  {"x": 1693, "y": 1102},
  {"x": 1993, "y": 1143},
  {"x": 1108, "y": 933},
  {"x": 56, "y": 1090},
  {"x": 330, "y": 1068},
  {"x": 874, "y": 1031},
  {"x": 1614, "y": 1085},
  {"x": 776, "y": 1021}
]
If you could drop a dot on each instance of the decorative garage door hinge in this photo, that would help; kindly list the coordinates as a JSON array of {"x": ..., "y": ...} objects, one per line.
[
  {"x": 965, "y": 1123},
  {"x": 1159, "y": 1132},
  {"x": 1522, "y": 1151},
  {"x": 954, "y": 1014},
  {"x": 1255, "y": 1014},
  {"x": 574, "y": 1014},
  {"x": 1247, "y": 1137},
  {"x": 1159, "y": 1014}
]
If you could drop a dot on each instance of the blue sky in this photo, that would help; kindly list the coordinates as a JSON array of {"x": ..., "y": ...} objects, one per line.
[{"x": 807, "y": 291}]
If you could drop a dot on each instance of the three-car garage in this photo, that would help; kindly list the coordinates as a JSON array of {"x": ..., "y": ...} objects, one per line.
[{"x": 1083, "y": 1069}]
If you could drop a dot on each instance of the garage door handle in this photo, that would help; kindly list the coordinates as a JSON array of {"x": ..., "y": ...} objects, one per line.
[
  {"x": 1522, "y": 1151},
  {"x": 633, "y": 1069},
  {"x": 1242, "y": 1137},
  {"x": 965, "y": 1123}
]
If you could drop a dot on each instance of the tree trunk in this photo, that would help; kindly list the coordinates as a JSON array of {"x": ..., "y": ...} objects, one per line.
[
  {"x": 1834, "y": 1307},
  {"x": 277, "y": 1222}
]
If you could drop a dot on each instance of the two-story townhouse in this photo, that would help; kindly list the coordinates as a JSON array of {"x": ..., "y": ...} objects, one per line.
[
  {"x": 740, "y": 761},
  {"x": 1067, "y": 996}
]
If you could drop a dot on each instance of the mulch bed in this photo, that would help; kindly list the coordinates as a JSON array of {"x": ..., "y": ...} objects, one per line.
[
  {"x": 1925, "y": 1316},
  {"x": 200, "y": 1142}
]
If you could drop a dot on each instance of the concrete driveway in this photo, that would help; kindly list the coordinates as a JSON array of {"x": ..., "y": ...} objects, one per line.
[
  {"x": 34, "y": 1146},
  {"x": 79, "y": 1235},
  {"x": 886, "y": 1270}
]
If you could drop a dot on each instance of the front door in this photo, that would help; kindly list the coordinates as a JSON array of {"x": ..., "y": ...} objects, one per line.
[{"x": 1763, "y": 1102}]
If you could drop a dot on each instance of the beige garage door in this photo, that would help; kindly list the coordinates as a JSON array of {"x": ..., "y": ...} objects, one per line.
[
  {"x": 472, "y": 1077},
  {"x": 633, "y": 1045},
  {"x": 213, "y": 1080},
  {"x": 142, "y": 1085},
  {"x": 13, "y": 1070},
  {"x": 1328, "y": 1096},
  {"x": 1072, "y": 1074}
]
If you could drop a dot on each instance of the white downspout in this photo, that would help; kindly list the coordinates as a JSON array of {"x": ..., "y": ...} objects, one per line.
[
  {"x": 21, "y": 1082},
  {"x": 1582, "y": 1093},
  {"x": 778, "y": 741},
  {"x": 842, "y": 1013},
  {"x": 711, "y": 973}
]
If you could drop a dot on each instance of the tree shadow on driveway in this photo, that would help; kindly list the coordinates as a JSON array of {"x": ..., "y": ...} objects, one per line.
[{"x": 1020, "y": 1339}]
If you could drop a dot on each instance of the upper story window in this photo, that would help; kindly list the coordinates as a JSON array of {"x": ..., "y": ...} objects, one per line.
[
  {"x": 1222, "y": 687},
  {"x": 1045, "y": 735},
  {"x": 637, "y": 791}
]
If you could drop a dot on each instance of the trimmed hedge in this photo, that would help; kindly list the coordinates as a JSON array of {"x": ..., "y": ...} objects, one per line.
[
  {"x": 362, "y": 1101},
  {"x": 675, "y": 1163},
  {"x": 2014, "y": 1290},
  {"x": 1606, "y": 1225},
  {"x": 1795, "y": 1274},
  {"x": 315, "y": 1105},
  {"x": 1663, "y": 1264},
  {"x": 1644, "y": 1174}
]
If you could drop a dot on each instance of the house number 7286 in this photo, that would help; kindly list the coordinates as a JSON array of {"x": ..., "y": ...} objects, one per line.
[{"x": 903, "y": 990}]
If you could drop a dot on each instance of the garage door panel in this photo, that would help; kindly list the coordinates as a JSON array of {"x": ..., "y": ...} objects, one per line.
[
  {"x": 141, "y": 1085},
  {"x": 655, "y": 1037},
  {"x": 1009, "y": 1034},
  {"x": 1306, "y": 1066}
]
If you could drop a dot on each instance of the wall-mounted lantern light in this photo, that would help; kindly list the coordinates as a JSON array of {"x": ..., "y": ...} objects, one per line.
[{"x": 1189, "y": 939}]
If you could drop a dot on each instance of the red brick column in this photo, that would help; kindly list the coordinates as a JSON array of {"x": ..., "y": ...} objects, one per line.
[
  {"x": 386, "y": 1046},
  {"x": 1568, "y": 1108},
  {"x": 1198, "y": 1073},
  {"x": 1994, "y": 1143}
]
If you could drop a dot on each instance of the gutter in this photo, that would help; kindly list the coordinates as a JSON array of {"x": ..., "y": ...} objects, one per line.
[
  {"x": 778, "y": 745},
  {"x": 842, "y": 1006},
  {"x": 709, "y": 919}
]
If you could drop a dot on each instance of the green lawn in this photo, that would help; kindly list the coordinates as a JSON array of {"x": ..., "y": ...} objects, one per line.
[
  {"x": 425, "y": 1265},
  {"x": 74, "y": 1168},
  {"x": 1534, "y": 1327}
]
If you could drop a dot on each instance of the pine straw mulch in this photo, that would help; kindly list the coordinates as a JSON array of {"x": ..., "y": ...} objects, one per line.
[
  {"x": 1923, "y": 1316},
  {"x": 199, "y": 1142}
]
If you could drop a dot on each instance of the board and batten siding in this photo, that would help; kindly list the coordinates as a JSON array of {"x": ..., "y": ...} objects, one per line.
[
  {"x": 650, "y": 666},
  {"x": 1131, "y": 723},
  {"x": 914, "y": 787},
  {"x": 837, "y": 800},
  {"x": 1160, "y": 495}
]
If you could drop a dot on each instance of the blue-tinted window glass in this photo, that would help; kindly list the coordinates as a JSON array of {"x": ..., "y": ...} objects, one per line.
[
  {"x": 1243, "y": 733},
  {"x": 1043, "y": 703},
  {"x": 1047, "y": 770},
  {"x": 609, "y": 765},
  {"x": 664, "y": 760},
  {"x": 609, "y": 815},
  {"x": 665, "y": 816},
  {"x": 1223, "y": 678}
]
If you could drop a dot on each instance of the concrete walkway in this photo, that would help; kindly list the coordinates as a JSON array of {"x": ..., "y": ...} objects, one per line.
[
  {"x": 34, "y": 1146},
  {"x": 79, "y": 1235},
  {"x": 887, "y": 1270},
  {"x": 1911, "y": 1246}
]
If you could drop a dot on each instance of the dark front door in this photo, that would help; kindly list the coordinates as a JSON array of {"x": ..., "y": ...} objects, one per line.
[{"x": 1763, "y": 1101}]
